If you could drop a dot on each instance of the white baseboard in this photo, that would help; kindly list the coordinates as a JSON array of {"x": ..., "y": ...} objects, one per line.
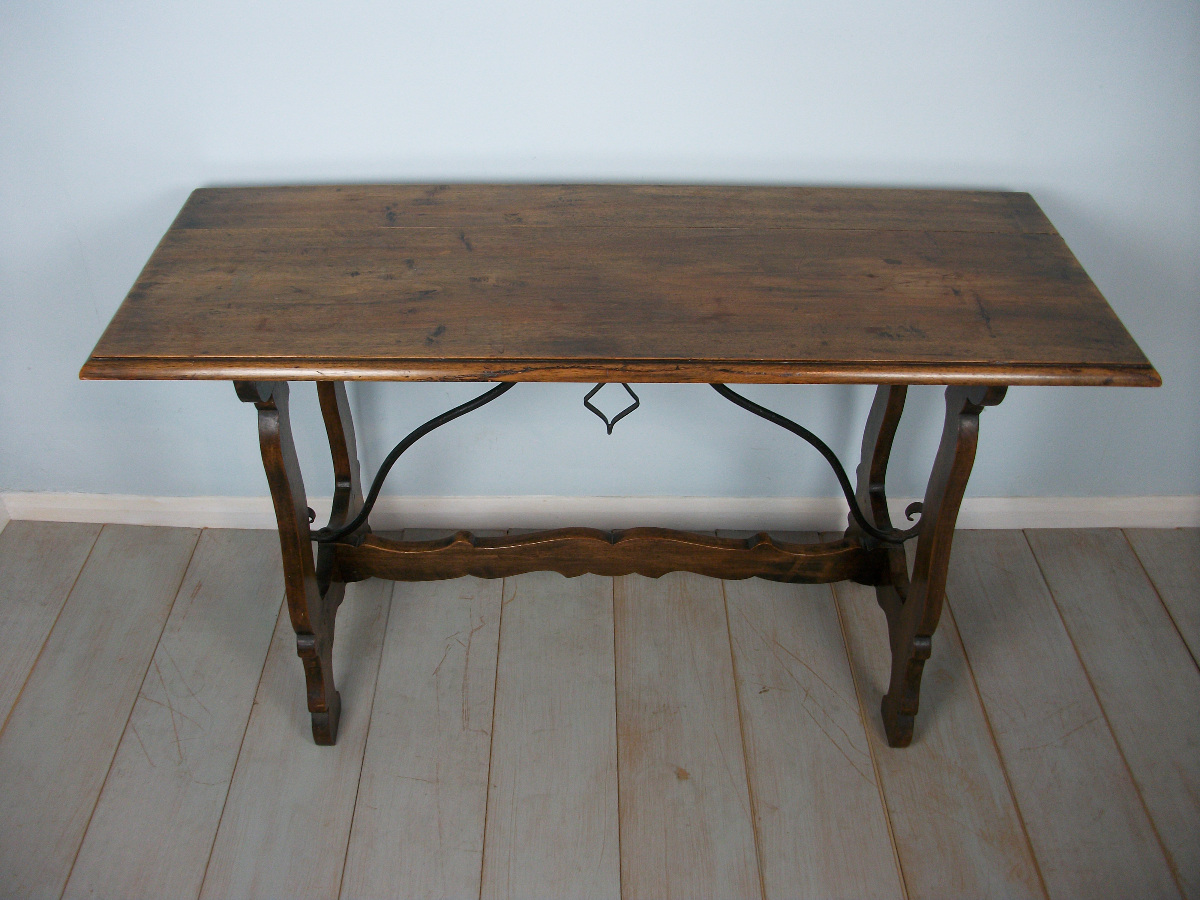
[{"x": 698, "y": 513}]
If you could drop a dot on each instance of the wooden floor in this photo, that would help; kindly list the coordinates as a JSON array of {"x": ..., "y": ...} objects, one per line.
[{"x": 595, "y": 737}]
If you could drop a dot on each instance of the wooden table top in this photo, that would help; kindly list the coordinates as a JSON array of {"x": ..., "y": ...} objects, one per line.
[{"x": 616, "y": 283}]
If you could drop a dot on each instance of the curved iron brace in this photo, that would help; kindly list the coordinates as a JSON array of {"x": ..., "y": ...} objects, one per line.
[
  {"x": 327, "y": 535},
  {"x": 895, "y": 535}
]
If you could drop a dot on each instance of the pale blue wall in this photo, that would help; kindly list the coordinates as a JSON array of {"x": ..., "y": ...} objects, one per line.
[{"x": 111, "y": 113}]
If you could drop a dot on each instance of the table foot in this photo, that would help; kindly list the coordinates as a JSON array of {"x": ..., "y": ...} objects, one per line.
[
  {"x": 325, "y": 724},
  {"x": 899, "y": 708},
  {"x": 324, "y": 702}
]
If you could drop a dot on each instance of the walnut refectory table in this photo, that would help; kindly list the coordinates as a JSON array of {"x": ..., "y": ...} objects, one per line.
[{"x": 606, "y": 283}]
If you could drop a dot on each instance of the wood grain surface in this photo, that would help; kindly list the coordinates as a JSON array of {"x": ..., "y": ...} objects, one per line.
[
  {"x": 40, "y": 561},
  {"x": 1064, "y": 713},
  {"x": 594, "y": 283},
  {"x": 1171, "y": 558},
  {"x": 575, "y": 551},
  {"x": 422, "y": 796},
  {"x": 58, "y": 744},
  {"x": 1086, "y": 821},
  {"x": 170, "y": 777},
  {"x": 687, "y": 829},
  {"x": 1150, "y": 693},
  {"x": 270, "y": 843},
  {"x": 953, "y": 818},
  {"x": 552, "y": 827},
  {"x": 822, "y": 828}
]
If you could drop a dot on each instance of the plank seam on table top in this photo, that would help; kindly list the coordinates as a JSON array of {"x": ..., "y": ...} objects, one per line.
[{"x": 1018, "y": 210}]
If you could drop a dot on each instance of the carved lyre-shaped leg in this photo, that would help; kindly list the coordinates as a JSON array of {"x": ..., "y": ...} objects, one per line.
[
  {"x": 312, "y": 608},
  {"x": 913, "y": 603}
]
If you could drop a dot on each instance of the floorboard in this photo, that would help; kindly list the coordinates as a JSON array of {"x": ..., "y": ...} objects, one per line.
[
  {"x": 1171, "y": 557},
  {"x": 1143, "y": 674},
  {"x": 64, "y": 729},
  {"x": 554, "y": 737},
  {"x": 955, "y": 824},
  {"x": 418, "y": 822},
  {"x": 40, "y": 562},
  {"x": 1088, "y": 826},
  {"x": 286, "y": 822},
  {"x": 822, "y": 828},
  {"x": 172, "y": 770},
  {"x": 686, "y": 824},
  {"x": 552, "y": 799}
]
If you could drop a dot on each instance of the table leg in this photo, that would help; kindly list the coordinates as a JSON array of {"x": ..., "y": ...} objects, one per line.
[
  {"x": 913, "y": 602},
  {"x": 311, "y": 605},
  {"x": 347, "y": 483}
]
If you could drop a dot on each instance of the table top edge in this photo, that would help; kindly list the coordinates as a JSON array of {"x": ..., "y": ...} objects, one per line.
[{"x": 105, "y": 368}]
